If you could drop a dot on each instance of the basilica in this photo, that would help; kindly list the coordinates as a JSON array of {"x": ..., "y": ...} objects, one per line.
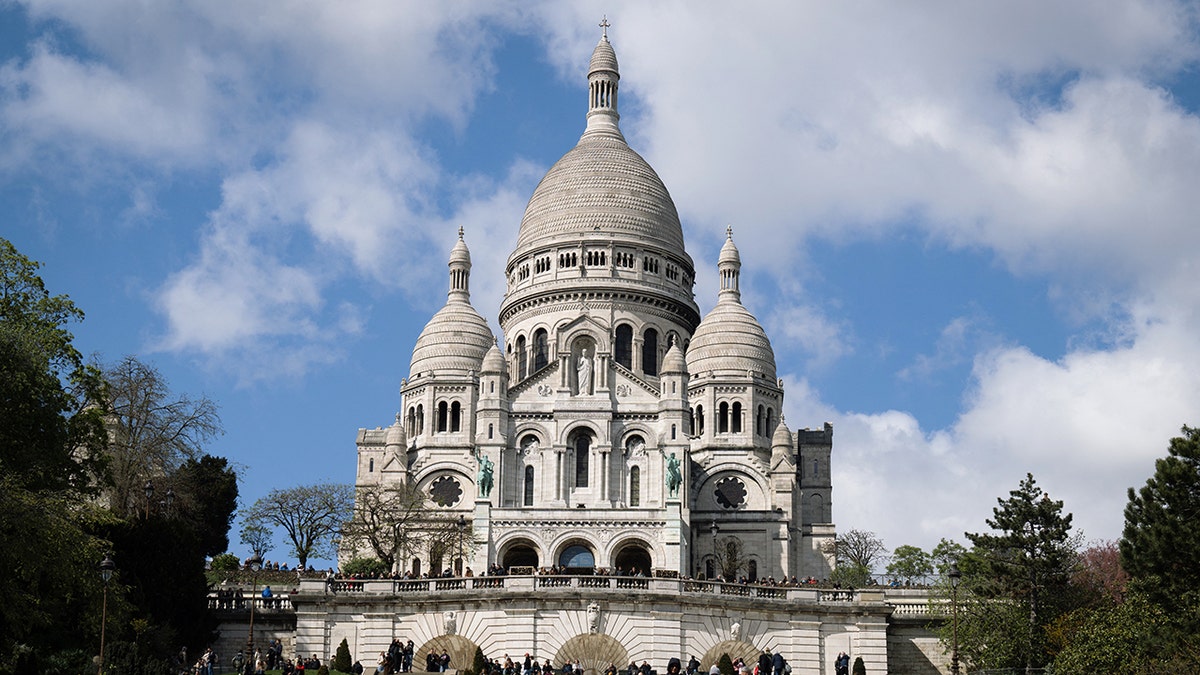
[{"x": 613, "y": 427}]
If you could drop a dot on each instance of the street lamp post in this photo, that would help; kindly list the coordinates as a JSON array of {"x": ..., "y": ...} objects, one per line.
[
  {"x": 106, "y": 571},
  {"x": 255, "y": 564},
  {"x": 955, "y": 577},
  {"x": 462, "y": 527},
  {"x": 714, "y": 529},
  {"x": 148, "y": 488}
]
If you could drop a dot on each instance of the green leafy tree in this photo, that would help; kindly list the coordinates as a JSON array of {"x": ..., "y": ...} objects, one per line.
[
  {"x": 910, "y": 563},
  {"x": 365, "y": 567},
  {"x": 1117, "y": 637},
  {"x": 206, "y": 492},
  {"x": 51, "y": 450},
  {"x": 1017, "y": 580},
  {"x": 946, "y": 554},
  {"x": 310, "y": 515}
]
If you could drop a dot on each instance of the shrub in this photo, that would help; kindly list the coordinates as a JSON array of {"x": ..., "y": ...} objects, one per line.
[
  {"x": 725, "y": 665},
  {"x": 859, "y": 668},
  {"x": 225, "y": 562},
  {"x": 341, "y": 659},
  {"x": 480, "y": 664},
  {"x": 364, "y": 567}
]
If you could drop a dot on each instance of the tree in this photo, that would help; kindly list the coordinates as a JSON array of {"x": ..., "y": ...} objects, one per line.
[
  {"x": 731, "y": 558},
  {"x": 389, "y": 521},
  {"x": 51, "y": 448},
  {"x": 855, "y": 554},
  {"x": 1021, "y": 571},
  {"x": 310, "y": 515},
  {"x": 152, "y": 431},
  {"x": 909, "y": 563},
  {"x": 946, "y": 554},
  {"x": 206, "y": 494},
  {"x": 1160, "y": 545},
  {"x": 258, "y": 537},
  {"x": 1100, "y": 575}
]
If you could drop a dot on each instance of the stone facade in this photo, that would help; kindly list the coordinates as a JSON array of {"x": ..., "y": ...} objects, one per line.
[{"x": 616, "y": 428}]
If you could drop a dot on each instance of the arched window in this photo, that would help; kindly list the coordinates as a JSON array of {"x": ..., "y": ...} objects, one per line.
[
  {"x": 770, "y": 428},
  {"x": 752, "y": 570},
  {"x": 672, "y": 432},
  {"x": 420, "y": 418},
  {"x": 443, "y": 415},
  {"x": 709, "y": 572},
  {"x": 699, "y": 420},
  {"x": 371, "y": 466},
  {"x": 650, "y": 352},
  {"x": 416, "y": 567},
  {"x": 635, "y": 486},
  {"x": 623, "y": 349},
  {"x": 759, "y": 422},
  {"x": 735, "y": 424},
  {"x": 723, "y": 419},
  {"x": 816, "y": 468},
  {"x": 583, "y": 450},
  {"x": 528, "y": 486},
  {"x": 491, "y": 430},
  {"x": 455, "y": 416},
  {"x": 522, "y": 358},
  {"x": 541, "y": 349}
]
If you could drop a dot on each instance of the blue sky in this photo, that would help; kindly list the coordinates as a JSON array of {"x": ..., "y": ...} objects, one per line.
[{"x": 969, "y": 233}]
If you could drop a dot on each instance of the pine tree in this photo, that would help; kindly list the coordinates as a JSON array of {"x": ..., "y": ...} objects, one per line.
[
  {"x": 1026, "y": 563},
  {"x": 341, "y": 660}
]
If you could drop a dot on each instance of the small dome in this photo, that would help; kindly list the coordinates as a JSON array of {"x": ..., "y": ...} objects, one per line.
[
  {"x": 455, "y": 339},
  {"x": 460, "y": 254},
  {"x": 782, "y": 436},
  {"x": 493, "y": 361},
  {"x": 730, "y": 341},
  {"x": 395, "y": 434},
  {"x": 674, "y": 361},
  {"x": 604, "y": 58},
  {"x": 729, "y": 251}
]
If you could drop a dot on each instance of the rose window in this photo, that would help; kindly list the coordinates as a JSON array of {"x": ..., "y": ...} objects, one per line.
[
  {"x": 445, "y": 491},
  {"x": 731, "y": 493}
]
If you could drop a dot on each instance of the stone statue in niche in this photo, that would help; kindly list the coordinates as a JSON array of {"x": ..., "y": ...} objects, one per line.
[
  {"x": 735, "y": 631},
  {"x": 449, "y": 623},
  {"x": 583, "y": 369}
]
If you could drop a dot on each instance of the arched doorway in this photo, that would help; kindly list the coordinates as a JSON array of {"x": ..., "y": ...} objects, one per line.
[
  {"x": 577, "y": 559},
  {"x": 521, "y": 554},
  {"x": 594, "y": 651},
  {"x": 632, "y": 558}
]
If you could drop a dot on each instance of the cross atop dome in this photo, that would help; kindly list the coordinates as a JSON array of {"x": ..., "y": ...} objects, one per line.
[{"x": 604, "y": 24}]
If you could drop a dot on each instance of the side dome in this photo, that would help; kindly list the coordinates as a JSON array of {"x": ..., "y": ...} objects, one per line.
[
  {"x": 493, "y": 361},
  {"x": 455, "y": 339},
  {"x": 730, "y": 341}
]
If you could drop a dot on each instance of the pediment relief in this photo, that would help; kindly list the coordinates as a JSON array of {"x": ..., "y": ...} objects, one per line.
[
  {"x": 538, "y": 385},
  {"x": 629, "y": 388}
]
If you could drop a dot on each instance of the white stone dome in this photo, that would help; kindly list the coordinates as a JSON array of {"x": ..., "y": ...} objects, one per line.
[
  {"x": 455, "y": 339},
  {"x": 730, "y": 341},
  {"x": 601, "y": 186}
]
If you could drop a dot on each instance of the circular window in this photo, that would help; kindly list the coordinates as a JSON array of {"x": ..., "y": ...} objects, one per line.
[
  {"x": 730, "y": 493},
  {"x": 445, "y": 491}
]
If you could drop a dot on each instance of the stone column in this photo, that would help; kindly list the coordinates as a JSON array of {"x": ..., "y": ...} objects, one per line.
[{"x": 481, "y": 530}]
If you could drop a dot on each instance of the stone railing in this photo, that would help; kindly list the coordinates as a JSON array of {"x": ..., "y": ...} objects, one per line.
[
  {"x": 275, "y": 603},
  {"x": 908, "y": 602}
]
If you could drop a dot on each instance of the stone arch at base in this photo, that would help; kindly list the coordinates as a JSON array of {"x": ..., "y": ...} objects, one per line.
[
  {"x": 594, "y": 652},
  {"x": 734, "y": 648},
  {"x": 460, "y": 649}
]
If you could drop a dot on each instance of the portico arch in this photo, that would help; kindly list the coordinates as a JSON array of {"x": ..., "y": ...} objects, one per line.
[
  {"x": 460, "y": 649},
  {"x": 519, "y": 553},
  {"x": 594, "y": 651},
  {"x": 633, "y": 556},
  {"x": 577, "y": 556}
]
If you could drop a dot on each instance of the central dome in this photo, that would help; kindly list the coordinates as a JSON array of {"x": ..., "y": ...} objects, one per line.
[{"x": 601, "y": 186}]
